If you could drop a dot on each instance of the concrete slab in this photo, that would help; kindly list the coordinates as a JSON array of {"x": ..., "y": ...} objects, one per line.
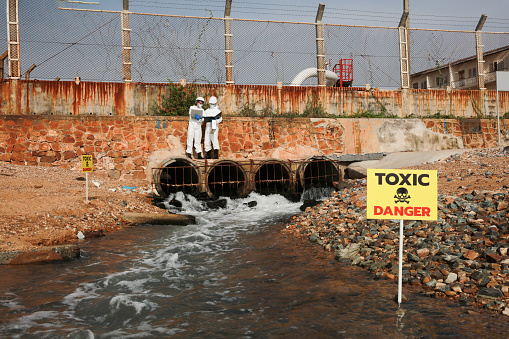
[
  {"x": 405, "y": 159},
  {"x": 358, "y": 157},
  {"x": 42, "y": 254},
  {"x": 159, "y": 218}
]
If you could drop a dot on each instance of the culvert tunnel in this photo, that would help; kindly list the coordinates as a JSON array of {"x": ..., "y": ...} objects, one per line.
[
  {"x": 319, "y": 172},
  {"x": 227, "y": 178},
  {"x": 212, "y": 179},
  {"x": 177, "y": 175},
  {"x": 272, "y": 176}
]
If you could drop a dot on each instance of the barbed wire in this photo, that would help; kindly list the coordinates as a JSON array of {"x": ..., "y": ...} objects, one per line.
[
  {"x": 264, "y": 51},
  {"x": 331, "y": 12}
]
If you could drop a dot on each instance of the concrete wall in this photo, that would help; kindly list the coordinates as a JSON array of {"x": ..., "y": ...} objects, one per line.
[
  {"x": 22, "y": 97},
  {"x": 128, "y": 147}
]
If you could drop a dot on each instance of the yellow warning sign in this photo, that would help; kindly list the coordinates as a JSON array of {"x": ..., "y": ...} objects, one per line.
[
  {"x": 87, "y": 163},
  {"x": 402, "y": 194}
]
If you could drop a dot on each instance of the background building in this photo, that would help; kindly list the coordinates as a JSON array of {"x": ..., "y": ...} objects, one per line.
[{"x": 463, "y": 73}]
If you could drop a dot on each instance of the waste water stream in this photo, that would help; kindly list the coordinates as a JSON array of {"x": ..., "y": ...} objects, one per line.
[{"x": 234, "y": 274}]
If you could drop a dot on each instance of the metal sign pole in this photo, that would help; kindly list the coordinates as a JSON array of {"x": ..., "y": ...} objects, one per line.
[
  {"x": 497, "y": 80},
  {"x": 498, "y": 119},
  {"x": 400, "y": 273},
  {"x": 86, "y": 176}
]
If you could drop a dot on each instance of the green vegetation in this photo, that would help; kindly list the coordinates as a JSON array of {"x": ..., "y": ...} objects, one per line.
[
  {"x": 178, "y": 101},
  {"x": 181, "y": 97},
  {"x": 248, "y": 110},
  {"x": 314, "y": 109},
  {"x": 437, "y": 115}
]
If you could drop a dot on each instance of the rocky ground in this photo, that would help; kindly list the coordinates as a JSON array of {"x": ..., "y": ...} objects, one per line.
[
  {"x": 42, "y": 206},
  {"x": 463, "y": 255}
]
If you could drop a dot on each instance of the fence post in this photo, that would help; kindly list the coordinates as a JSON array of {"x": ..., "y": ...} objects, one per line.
[
  {"x": 404, "y": 57},
  {"x": 126, "y": 42},
  {"x": 480, "y": 64},
  {"x": 479, "y": 52},
  {"x": 228, "y": 42},
  {"x": 2, "y": 62},
  {"x": 404, "y": 60},
  {"x": 29, "y": 70},
  {"x": 320, "y": 46},
  {"x": 13, "y": 39}
]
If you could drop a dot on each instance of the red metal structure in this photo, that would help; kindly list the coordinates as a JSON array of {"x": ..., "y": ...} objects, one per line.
[{"x": 344, "y": 70}]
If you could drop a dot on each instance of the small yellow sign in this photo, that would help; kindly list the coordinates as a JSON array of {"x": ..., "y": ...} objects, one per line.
[
  {"x": 87, "y": 163},
  {"x": 402, "y": 194}
]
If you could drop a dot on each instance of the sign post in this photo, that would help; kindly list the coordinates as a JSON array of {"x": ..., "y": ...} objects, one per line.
[
  {"x": 401, "y": 194},
  {"x": 502, "y": 80},
  {"x": 87, "y": 165}
]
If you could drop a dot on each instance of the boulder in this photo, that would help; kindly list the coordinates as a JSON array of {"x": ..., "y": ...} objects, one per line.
[
  {"x": 217, "y": 204},
  {"x": 348, "y": 252}
]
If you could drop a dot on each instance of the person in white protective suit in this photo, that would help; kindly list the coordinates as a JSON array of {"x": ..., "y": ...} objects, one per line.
[
  {"x": 194, "y": 128},
  {"x": 212, "y": 118}
]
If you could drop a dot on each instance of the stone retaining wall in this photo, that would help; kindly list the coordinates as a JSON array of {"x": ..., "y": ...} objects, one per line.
[{"x": 128, "y": 147}]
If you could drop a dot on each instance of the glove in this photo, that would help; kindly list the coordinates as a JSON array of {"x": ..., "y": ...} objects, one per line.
[{"x": 197, "y": 116}]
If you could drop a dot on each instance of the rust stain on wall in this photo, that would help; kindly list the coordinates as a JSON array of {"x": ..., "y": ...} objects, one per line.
[{"x": 121, "y": 99}]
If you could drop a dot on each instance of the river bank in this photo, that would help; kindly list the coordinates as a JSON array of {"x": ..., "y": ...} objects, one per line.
[
  {"x": 463, "y": 255},
  {"x": 46, "y": 206}
]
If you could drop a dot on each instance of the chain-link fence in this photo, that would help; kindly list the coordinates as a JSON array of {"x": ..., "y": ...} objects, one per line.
[{"x": 66, "y": 44}]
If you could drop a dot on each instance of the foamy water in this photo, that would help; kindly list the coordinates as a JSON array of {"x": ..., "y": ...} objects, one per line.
[{"x": 233, "y": 274}]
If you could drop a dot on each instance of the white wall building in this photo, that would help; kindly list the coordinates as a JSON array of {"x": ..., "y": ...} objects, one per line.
[{"x": 462, "y": 74}]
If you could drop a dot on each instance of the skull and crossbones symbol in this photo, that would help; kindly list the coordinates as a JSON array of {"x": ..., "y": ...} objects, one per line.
[{"x": 402, "y": 195}]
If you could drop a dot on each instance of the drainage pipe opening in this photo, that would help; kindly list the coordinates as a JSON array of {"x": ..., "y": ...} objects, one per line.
[
  {"x": 320, "y": 172},
  {"x": 227, "y": 178},
  {"x": 272, "y": 177},
  {"x": 177, "y": 175}
]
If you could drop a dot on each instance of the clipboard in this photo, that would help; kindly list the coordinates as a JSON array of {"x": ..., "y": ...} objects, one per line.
[{"x": 198, "y": 111}]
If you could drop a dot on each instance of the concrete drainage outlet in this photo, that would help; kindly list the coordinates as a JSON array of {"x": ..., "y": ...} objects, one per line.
[
  {"x": 227, "y": 178},
  {"x": 272, "y": 176},
  {"x": 319, "y": 172},
  {"x": 177, "y": 175}
]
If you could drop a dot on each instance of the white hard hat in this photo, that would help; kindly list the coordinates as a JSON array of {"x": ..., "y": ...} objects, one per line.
[
  {"x": 200, "y": 99},
  {"x": 213, "y": 100}
]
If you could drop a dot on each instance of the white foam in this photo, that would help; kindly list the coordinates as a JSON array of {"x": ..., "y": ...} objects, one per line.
[
  {"x": 181, "y": 260},
  {"x": 125, "y": 300},
  {"x": 135, "y": 286}
]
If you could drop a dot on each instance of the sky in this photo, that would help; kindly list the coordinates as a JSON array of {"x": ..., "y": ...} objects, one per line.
[{"x": 438, "y": 14}]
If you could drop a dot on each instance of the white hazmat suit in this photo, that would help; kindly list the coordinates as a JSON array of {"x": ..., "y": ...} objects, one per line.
[
  {"x": 194, "y": 129},
  {"x": 212, "y": 117}
]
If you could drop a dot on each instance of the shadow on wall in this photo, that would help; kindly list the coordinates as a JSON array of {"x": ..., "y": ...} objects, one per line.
[{"x": 412, "y": 135}]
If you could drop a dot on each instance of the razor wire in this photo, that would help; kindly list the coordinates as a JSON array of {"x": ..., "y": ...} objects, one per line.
[{"x": 64, "y": 44}]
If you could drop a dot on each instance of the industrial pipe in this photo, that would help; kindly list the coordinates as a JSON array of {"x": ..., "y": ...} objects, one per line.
[{"x": 331, "y": 77}]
